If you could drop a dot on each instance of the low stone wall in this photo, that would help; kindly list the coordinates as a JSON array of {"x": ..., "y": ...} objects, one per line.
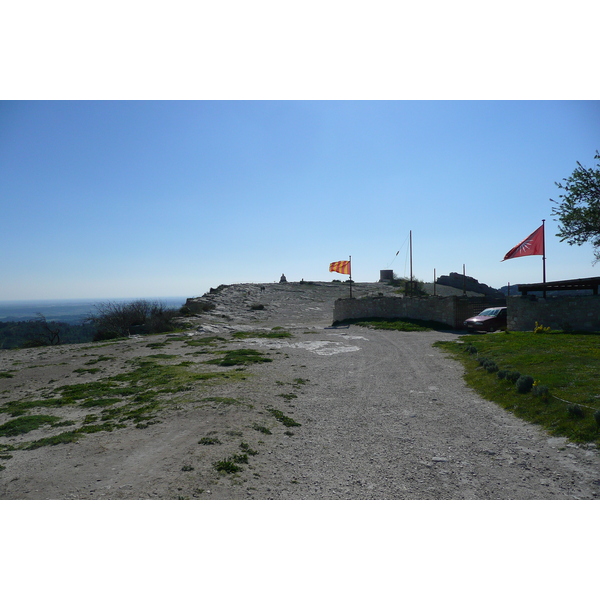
[
  {"x": 575, "y": 313},
  {"x": 451, "y": 310}
]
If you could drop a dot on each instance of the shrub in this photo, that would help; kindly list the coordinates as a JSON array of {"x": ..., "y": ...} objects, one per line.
[
  {"x": 575, "y": 411},
  {"x": 513, "y": 376},
  {"x": 114, "y": 320},
  {"x": 597, "y": 418},
  {"x": 491, "y": 367},
  {"x": 502, "y": 374},
  {"x": 540, "y": 391},
  {"x": 541, "y": 329},
  {"x": 524, "y": 384}
]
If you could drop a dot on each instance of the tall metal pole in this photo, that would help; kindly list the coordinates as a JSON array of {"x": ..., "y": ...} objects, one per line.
[
  {"x": 464, "y": 281},
  {"x": 350, "y": 261},
  {"x": 411, "y": 273},
  {"x": 434, "y": 278},
  {"x": 544, "y": 251}
]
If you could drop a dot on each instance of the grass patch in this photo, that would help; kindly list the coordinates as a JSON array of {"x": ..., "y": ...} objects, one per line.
[
  {"x": 209, "y": 441},
  {"x": 246, "y": 448},
  {"x": 287, "y": 421},
  {"x": 239, "y": 357},
  {"x": 536, "y": 373},
  {"x": 205, "y": 341},
  {"x": 275, "y": 333},
  {"x": 22, "y": 425},
  {"x": 135, "y": 396},
  {"x": 5, "y": 375},
  {"x": 262, "y": 429},
  {"x": 99, "y": 359},
  {"x": 227, "y": 466}
]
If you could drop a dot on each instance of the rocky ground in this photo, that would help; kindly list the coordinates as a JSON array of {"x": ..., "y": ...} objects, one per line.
[{"x": 325, "y": 413}]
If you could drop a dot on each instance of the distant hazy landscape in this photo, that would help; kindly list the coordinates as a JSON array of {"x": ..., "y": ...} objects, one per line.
[{"x": 66, "y": 311}]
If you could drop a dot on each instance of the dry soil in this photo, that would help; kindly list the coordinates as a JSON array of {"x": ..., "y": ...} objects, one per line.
[{"x": 370, "y": 415}]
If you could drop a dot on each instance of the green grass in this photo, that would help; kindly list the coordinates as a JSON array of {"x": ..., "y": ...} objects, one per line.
[
  {"x": 397, "y": 324},
  {"x": 22, "y": 425},
  {"x": 275, "y": 333},
  {"x": 135, "y": 396},
  {"x": 5, "y": 375},
  {"x": 227, "y": 466},
  {"x": 287, "y": 421},
  {"x": 239, "y": 357},
  {"x": 209, "y": 441},
  {"x": 567, "y": 364},
  {"x": 99, "y": 359},
  {"x": 205, "y": 341}
]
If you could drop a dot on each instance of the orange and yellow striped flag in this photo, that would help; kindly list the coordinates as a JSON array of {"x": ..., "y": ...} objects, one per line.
[{"x": 341, "y": 266}]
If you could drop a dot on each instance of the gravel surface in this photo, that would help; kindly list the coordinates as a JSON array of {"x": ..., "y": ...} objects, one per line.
[{"x": 374, "y": 415}]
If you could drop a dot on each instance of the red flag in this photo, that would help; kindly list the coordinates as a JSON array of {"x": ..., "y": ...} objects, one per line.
[
  {"x": 534, "y": 244},
  {"x": 341, "y": 266}
]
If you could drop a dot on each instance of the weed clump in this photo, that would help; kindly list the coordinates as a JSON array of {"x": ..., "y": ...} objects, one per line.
[
  {"x": 226, "y": 466},
  {"x": 246, "y": 448},
  {"x": 287, "y": 421},
  {"x": 209, "y": 441},
  {"x": 262, "y": 429},
  {"x": 524, "y": 384}
]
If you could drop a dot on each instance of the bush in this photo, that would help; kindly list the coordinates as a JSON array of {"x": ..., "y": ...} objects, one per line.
[
  {"x": 576, "y": 411},
  {"x": 114, "y": 320},
  {"x": 524, "y": 384},
  {"x": 513, "y": 376},
  {"x": 541, "y": 391}
]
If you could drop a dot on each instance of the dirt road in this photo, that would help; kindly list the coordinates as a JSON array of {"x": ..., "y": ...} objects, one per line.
[{"x": 337, "y": 413}]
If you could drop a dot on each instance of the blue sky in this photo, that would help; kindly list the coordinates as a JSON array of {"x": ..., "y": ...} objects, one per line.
[{"x": 146, "y": 198}]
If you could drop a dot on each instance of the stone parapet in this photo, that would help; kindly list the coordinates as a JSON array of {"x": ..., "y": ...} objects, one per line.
[
  {"x": 450, "y": 310},
  {"x": 569, "y": 313}
]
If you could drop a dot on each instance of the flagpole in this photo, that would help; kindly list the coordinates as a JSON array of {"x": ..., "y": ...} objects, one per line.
[
  {"x": 350, "y": 273},
  {"x": 544, "y": 247},
  {"x": 411, "y": 274},
  {"x": 544, "y": 252}
]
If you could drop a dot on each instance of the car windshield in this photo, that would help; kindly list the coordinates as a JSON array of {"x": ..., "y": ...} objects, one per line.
[{"x": 490, "y": 312}]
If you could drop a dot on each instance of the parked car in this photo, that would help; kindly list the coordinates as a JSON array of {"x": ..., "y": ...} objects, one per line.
[{"x": 490, "y": 319}]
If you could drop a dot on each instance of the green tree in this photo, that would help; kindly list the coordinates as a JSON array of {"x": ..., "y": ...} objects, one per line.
[{"x": 578, "y": 209}]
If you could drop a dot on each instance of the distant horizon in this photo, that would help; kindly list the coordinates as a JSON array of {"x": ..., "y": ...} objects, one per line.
[{"x": 88, "y": 300}]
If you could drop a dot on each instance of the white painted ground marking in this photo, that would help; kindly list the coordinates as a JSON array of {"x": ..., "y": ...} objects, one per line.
[{"x": 322, "y": 348}]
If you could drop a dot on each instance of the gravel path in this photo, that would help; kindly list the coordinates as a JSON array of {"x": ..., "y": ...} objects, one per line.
[{"x": 382, "y": 415}]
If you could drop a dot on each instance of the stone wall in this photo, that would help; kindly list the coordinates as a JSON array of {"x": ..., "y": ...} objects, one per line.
[
  {"x": 451, "y": 310},
  {"x": 575, "y": 313}
]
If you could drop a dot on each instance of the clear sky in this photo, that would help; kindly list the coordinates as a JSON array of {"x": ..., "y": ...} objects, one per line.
[{"x": 145, "y": 198}]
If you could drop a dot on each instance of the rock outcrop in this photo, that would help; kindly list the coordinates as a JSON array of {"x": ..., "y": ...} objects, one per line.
[{"x": 470, "y": 284}]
